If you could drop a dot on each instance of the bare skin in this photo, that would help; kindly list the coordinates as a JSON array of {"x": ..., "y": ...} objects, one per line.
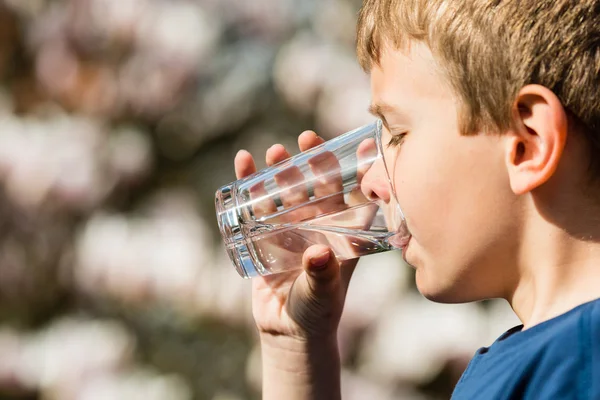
[
  {"x": 297, "y": 312},
  {"x": 507, "y": 215}
]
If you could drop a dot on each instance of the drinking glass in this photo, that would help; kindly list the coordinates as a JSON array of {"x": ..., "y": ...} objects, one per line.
[{"x": 338, "y": 194}]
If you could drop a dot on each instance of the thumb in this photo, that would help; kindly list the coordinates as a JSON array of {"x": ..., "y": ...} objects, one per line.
[
  {"x": 320, "y": 265},
  {"x": 316, "y": 298},
  {"x": 324, "y": 272}
]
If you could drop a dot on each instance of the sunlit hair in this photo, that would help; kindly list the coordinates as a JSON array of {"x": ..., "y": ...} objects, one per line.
[{"x": 490, "y": 49}]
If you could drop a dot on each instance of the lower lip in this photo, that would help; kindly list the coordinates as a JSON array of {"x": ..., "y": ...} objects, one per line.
[
  {"x": 404, "y": 248},
  {"x": 401, "y": 244}
]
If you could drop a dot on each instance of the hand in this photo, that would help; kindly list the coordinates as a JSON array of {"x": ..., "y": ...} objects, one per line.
[{"x": 303, "y": 303}]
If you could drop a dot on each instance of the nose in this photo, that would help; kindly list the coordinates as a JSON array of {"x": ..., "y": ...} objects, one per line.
[{"x": 375, "y": 184}]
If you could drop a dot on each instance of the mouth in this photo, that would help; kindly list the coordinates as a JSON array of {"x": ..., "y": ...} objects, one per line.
[{"x": 400, "y": 243}]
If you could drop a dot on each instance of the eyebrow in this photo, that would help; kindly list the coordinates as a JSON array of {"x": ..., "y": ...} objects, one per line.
[{"x": 379, "y": 109}]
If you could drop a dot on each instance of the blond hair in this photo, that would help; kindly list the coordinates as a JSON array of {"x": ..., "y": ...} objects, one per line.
[{"x": 490, "y": 49}]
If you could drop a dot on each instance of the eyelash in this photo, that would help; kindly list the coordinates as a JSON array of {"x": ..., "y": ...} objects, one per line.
[{"x": 397, "y": 140}]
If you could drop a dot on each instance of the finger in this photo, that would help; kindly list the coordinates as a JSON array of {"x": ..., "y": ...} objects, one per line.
[
  {"x": 360, "y": 199},
  {"x": 245, "y": 166},
  {"x": 327, "y": 170},
  {"x": 309, "y": 139},
  {"x": 316, "y": 299},
  {"x": 263, "y": 203},
  {"x": 276, "y": 154},
  {"x": 328, "y": 182},
  {"x": 290, "y": 180},
  {"x": 319, "y": 263},
  {"x": 366, "y": 155},
  {"x": 317, "y": 288}
]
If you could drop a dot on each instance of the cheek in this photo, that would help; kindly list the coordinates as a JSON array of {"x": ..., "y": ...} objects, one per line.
[
  {"x": 424, "y": 179},
  {"x": 447, "y": 193}
]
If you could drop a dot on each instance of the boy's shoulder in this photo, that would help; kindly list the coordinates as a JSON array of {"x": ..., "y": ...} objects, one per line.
[{"x": 559, "y": 358}]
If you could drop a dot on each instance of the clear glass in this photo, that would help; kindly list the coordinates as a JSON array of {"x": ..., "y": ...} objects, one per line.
[{"x": 338, "y": 194}]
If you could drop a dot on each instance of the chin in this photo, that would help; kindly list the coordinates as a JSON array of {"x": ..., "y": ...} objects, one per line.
[{"x": 438, "y": 291}]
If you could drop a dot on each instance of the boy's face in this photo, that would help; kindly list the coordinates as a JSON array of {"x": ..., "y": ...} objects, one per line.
[{"x": 453, "y": 189}]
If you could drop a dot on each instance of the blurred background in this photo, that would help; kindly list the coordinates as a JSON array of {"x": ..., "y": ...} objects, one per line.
[{"x": 118, "y": 121}]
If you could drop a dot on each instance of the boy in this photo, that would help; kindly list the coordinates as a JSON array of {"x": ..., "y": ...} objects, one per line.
[{"x": 492, "y": 127}]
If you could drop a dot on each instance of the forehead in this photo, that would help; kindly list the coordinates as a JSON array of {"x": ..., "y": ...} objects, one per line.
[{"x": 407, "y": 75}]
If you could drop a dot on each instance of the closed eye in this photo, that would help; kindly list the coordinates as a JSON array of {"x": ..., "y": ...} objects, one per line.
[{"x": 396, "y": 139}]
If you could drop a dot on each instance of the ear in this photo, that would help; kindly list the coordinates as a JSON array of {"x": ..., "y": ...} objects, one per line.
[{"x": 535, "y": 146}]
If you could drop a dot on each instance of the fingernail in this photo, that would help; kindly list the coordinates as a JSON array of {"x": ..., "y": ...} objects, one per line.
[{"x": 320, "y": 260}]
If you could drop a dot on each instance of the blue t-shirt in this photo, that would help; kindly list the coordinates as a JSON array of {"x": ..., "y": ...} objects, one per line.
[{"x": 556, "y": 359}]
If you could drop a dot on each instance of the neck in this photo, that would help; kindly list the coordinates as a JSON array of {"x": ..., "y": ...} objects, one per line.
[{"x": 558, "y": 270}]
